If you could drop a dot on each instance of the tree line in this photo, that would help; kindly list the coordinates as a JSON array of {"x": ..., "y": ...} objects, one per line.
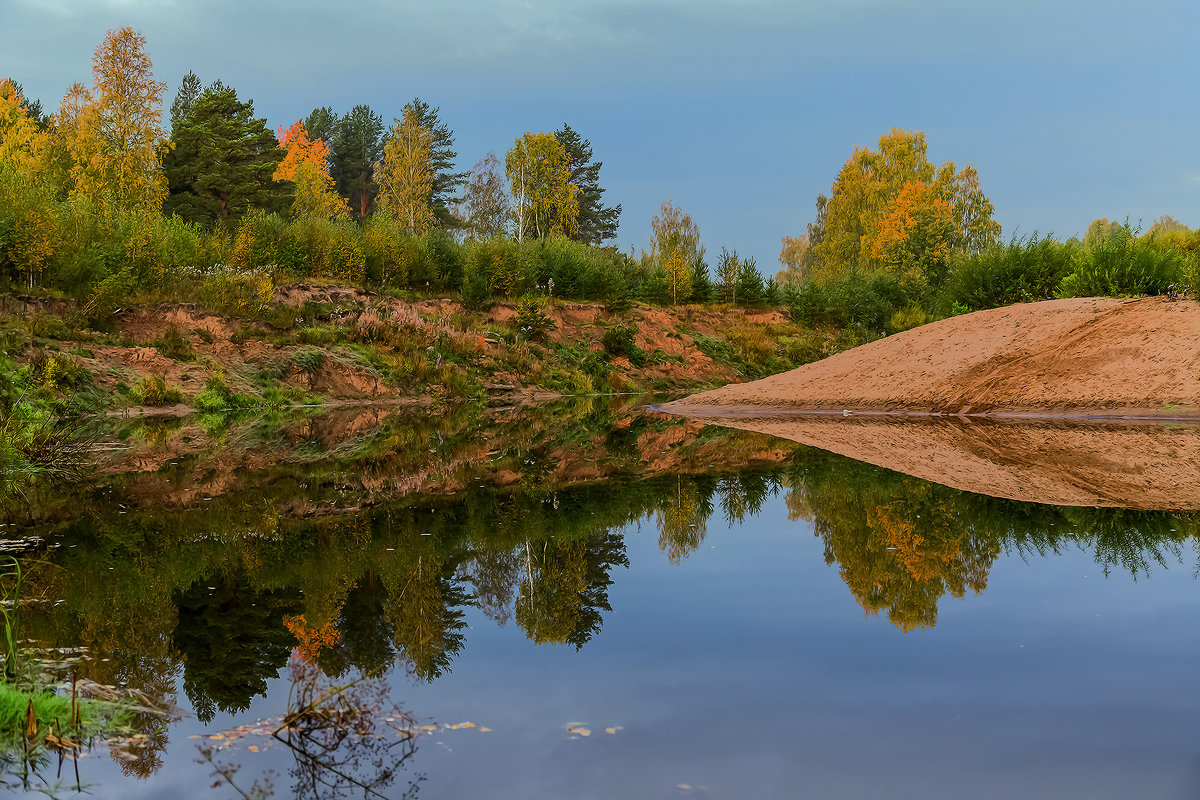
[{"x": 113, "y": 197}]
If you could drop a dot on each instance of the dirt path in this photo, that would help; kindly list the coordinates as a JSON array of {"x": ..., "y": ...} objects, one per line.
[{"x": 1074, "y": 357}]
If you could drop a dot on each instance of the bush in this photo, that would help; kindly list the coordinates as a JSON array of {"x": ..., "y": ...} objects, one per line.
[
  {"x": 531, "y": 321},
  {"x": 1022, "y": 271},
  {"x": 217, "y": 396},
  {"x": 621, "y": 341},
  {"x": 153, "y": 390},
  {"x": 175, "y": 345},
  {"x": 1120, "y": 264},
  {"x": 309, "y": 360}
]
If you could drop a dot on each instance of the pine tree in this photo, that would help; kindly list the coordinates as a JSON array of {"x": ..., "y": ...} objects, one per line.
[
  {"x": 322, "y": 124},
  {"x": 223, "y": 161},
  {"x": 596, "y": 223},
  {"x": 190, "y": 88}
]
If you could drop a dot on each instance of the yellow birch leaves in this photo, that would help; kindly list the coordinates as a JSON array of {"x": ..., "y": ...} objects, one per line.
[
  {"x": 405, "y": 176},
  {"x": 539, "y": 174},
  {"x": 119, "y": 140}
]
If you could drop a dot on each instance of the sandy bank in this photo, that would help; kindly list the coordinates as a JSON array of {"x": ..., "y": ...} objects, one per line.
[{"x": 1077, "y": 356}]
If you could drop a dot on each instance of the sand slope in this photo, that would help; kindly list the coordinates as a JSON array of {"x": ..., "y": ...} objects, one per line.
[{"x": 1075, "y": 356}]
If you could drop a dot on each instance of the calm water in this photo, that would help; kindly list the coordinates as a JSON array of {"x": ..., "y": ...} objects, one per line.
[{"x": 617, "y": 611}]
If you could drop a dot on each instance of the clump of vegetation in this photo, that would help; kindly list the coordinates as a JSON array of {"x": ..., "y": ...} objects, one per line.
[
  {"x": 309, "y": 360},
  {"x": 217, "y": 396},
  {"x": 153, "y": 390},
  {"x": 174, "y": 344},
  {"x": 620, "y": 340},
  {"x": 1123, "y": 264},
  {"x": 531, "y": 320}
]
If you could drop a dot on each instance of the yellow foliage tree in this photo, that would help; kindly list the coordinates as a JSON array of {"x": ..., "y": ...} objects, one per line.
[
  {"x": 539, "y": 176},
  {"x": 21, "y": 143},
  {"x": 679, "y": 275},
  {"x": 120, "y": 140},
  {"x": 405, "y": 176},
  {"x": 25, "y": 207},
  {"x": 863, "y": 195}
]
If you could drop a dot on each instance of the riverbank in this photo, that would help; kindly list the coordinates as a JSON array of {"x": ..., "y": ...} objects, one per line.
[{"x": 324, "y": 344}]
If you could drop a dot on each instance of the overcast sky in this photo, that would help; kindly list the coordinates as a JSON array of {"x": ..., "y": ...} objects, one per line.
[{"x": 739, "y": 111}]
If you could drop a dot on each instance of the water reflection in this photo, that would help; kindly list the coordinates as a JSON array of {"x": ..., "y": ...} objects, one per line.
[
  {"x": 1140, "y": 464},
  {"x": 529, "y": 526}
]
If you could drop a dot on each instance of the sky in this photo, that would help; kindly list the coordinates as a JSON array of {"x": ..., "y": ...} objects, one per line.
[{"x": 738, "y": 111}]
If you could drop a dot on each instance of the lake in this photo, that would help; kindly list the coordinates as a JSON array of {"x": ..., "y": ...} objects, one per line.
[{"x": 594, "y": 600}]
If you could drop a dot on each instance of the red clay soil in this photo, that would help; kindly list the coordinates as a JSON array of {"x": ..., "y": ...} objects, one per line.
[{"x": 1058, "y": 357}]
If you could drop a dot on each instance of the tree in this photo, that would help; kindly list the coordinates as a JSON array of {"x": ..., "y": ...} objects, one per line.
[
  {"x": 749, "y": 283},
  {"x": 122, "y": 162},
  {"x": 442, "y": 155},
  {"x": 20, "y": 139},
  {"x": 539, "y": 177},
  {"x": 796, "y": 258},
  {"x": 190, "y": 88},
  {"x": 596, "y": 223},
  {"x": 850, "y": 219},
  {"x": 485, "y": 209},
  {"x": 406, "y": 174},
  {"x": 354, "y": 151},
  {"x": 916, "y": 237},
  {"x": 304, "y": 165},
  {"x": 679, "y": 276},
  {"x": 672, "y": 222},
  {"x": 322, "y": 124},
  {"x": 728, "y": 269},
  {"x": 223, "y": 161}
]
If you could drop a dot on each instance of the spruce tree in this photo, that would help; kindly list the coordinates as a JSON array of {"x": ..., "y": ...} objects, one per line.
[{"x": 354, "y": 151}]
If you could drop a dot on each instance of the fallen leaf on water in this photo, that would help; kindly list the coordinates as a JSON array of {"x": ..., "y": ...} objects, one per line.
[
  {"x": 217, "y": 736},
  {"x": 429, "y": 727},
  {"x": 461, "y": 725},
  {"x": 580, "y": 731},
  {"x": 482, "y": 729},
  {"x": 253, "y": 748},
  {"x": 613, "y": 729}
]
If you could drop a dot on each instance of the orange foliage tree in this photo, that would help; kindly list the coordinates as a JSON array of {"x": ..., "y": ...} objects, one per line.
[{"x": 305, "y": 164}]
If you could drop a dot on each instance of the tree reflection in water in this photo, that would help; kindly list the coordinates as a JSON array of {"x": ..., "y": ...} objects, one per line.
[
  {"x": 222, "y": 594},
  {"x": 345, "y": 740}
]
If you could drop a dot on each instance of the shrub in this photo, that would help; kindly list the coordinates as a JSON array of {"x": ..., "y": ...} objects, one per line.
[
  {"x": 1022, "y": 271},
  {"x": 174, "y": 344},
  {"x": 621, "y": 341},
  {"x": 153, "y": 390},
  {"x": 531, "y": 321},
  {"x": 217, "y": 396},
  {"x": 228, "y": 291},
  {"x": 905, "y": 318},
  {"x": 1121, "y": 264},
  {"x": 309, "y": 360}
]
